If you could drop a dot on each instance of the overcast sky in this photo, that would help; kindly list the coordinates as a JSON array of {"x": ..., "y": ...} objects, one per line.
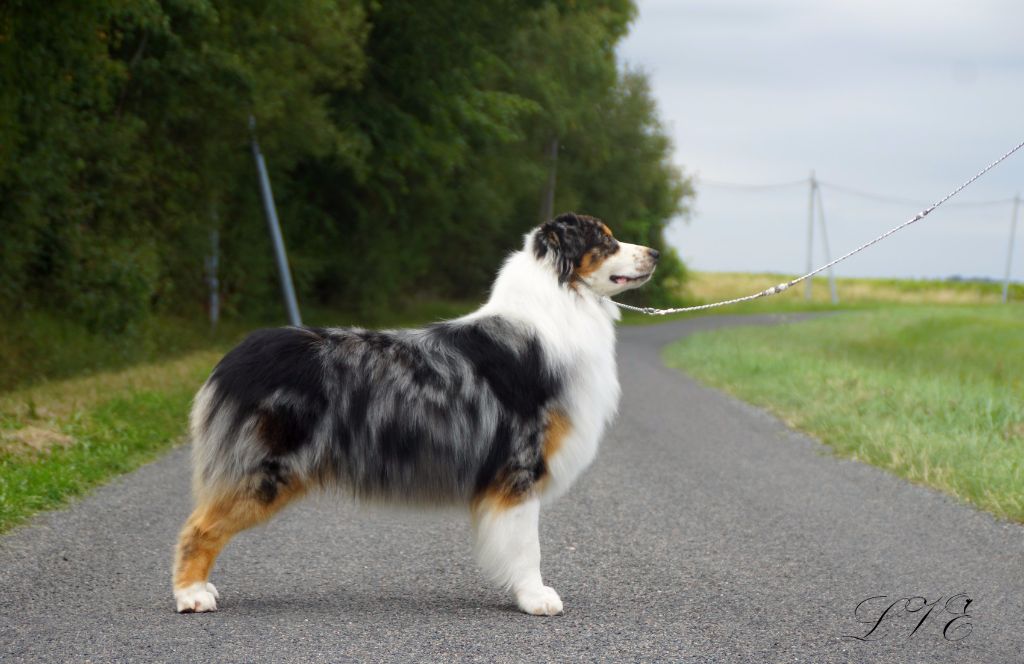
[{"x": 904, "y": 98}]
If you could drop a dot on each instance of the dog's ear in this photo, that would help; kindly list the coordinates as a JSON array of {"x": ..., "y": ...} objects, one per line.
[{"x": 564, "y": 239}]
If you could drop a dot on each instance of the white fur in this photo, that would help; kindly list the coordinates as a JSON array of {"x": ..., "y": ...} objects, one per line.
[
  {"x": 576, "y": 327},
  {"x": 631, "y": 260},
  {"x": 508, "y": 550},
  {"x": 199, "y": 597}
]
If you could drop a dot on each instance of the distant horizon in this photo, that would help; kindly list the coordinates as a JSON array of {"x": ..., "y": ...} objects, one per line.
[{"x": 898, "y": 101}]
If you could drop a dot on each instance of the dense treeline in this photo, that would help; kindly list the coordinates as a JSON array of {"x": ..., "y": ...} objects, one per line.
[{"x": 408, "y": 143}]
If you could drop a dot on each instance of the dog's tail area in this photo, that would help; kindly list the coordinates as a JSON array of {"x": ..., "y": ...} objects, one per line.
[
  {"x": 201, "y": 426},
  {"x": 230, "y": 456},
  {"x": 222, "y": 462}
]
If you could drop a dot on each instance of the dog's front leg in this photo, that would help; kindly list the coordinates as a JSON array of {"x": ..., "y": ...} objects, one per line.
[{"x": 507, "y": 544}]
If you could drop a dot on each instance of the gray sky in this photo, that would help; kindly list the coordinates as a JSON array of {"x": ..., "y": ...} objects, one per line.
[{"x": 905, "y": 98}]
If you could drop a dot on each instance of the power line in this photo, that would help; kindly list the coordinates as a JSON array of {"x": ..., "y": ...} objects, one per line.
[
  {"x": 739, "y": 185},
  {"x": 884, "y": 198},
  {"x": 881, "y": 198},
  {"x": 851, "y": 191}
]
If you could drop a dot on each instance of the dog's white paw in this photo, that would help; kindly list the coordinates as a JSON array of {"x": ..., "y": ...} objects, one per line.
[
  {"x": 540, "y": 601},
  {"x": 196, "y": 598}
]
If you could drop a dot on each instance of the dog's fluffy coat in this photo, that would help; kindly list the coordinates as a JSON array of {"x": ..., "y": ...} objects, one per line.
[{"x": 496, "y": 410}]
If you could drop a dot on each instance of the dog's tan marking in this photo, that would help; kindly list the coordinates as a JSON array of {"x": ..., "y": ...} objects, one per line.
[
  {"x": 590, "y": 262},
  {"x": 213, "y": 523},
  {"x": 554, "y": 435},
  {"x": 501, "y": 494},
  {"x": 558, "y": 427},
  {"x": 497, "y": 497}
]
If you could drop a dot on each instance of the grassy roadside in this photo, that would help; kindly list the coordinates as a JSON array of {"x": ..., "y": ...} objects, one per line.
[
  {"x": 77, "y": 409},
  {"x": 932, "y": 394},
  {"x": 60, "y": 438},
  {"x": 89, "y": 430}
]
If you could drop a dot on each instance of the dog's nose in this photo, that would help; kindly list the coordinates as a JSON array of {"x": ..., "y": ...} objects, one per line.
[{"x": 653, "y": 253}]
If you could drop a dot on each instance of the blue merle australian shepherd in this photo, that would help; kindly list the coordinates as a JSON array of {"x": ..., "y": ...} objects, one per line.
[{"x": 499, "y": 411}]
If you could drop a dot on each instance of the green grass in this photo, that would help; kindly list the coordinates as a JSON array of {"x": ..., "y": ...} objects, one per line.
[
  {"x": 113, "y": 438},
  {"x": 932, "y": 394}
]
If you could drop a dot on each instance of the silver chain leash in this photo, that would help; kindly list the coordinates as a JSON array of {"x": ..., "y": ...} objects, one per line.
[{"x": 651, "y": 311}]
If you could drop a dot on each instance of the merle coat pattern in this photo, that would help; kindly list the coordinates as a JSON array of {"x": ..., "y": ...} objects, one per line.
[{"x": 496, "y": 410}]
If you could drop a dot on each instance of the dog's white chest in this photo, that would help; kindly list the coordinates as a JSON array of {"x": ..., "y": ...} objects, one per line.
[{"x": 591, "y": 404}]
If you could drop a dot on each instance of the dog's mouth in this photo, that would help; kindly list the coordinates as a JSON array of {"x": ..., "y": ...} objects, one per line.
[{"x": 622, "y": 279}]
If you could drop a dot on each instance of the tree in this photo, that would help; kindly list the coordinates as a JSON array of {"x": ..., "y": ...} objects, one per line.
[{"x": 406, "y": 141}]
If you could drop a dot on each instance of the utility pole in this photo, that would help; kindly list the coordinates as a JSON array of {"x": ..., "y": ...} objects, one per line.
[
  {"x": 283, "y": 270},
  {"x": 824, "y": 246},
  {"x": 547, "y": 203},
  {"x": 1009, "y": 250},
  {"x": 810, "y": 234}
]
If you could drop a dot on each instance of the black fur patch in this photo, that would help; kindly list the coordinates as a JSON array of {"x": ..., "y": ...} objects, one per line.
[
  {"x": 272, "y": 478},
  {"x": 569, "y": 237},
  {"x": 283, "y": 361},
  {"x": 519, "y": 379}
]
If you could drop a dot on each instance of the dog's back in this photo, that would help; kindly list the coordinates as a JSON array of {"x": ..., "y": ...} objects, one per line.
[{"x": 434, "y": 414}]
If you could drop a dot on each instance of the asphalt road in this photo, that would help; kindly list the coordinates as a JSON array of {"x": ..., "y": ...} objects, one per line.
[{"x": 705, "y": 531}]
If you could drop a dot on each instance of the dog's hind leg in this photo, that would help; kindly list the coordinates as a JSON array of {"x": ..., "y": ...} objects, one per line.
[
  {"x": 212, "y": 524},
  {"x": 507, "y": 544}
]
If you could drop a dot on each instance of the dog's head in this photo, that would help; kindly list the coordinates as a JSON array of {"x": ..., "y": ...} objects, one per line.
[{"x": 583, "y": 249}]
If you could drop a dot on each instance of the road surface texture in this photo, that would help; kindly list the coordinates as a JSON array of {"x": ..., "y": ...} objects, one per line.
[{"x": 705, "y": 531}]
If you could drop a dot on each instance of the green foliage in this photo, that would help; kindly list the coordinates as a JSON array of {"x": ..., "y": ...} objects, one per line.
[
  {"x": 112, "y": 285},
  {"x": 406, "y": 142}
]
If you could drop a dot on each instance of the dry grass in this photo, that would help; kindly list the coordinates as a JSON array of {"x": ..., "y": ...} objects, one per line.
[
  {"x": 35, "y": 419},
  {"x": 32, "y": 439},
  {"x": 59, "y": 400},
  {"x": 713, "y": 286}
]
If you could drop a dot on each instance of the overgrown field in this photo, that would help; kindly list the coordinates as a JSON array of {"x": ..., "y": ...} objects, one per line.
[{"x": 932, "y": 394}]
